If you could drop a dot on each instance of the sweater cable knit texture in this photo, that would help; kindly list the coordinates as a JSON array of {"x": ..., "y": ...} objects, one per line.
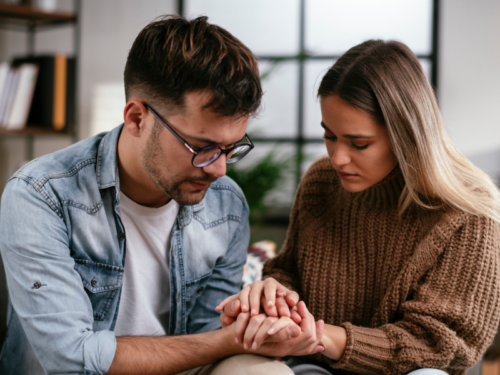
[{"x": 412, "y": 291}]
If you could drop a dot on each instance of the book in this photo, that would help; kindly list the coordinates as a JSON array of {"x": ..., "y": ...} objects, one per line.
[
  {"x": 5, "y": 76},
  {"x": 22, "y": 96},
  {"x": 53, "y": 98},
  {"x": 8, "y": 96}
]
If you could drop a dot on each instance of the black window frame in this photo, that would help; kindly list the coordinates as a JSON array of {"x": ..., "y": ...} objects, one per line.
[{"x": 300, "y": 140}]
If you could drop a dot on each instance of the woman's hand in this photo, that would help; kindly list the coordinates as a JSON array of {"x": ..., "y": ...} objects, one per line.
[
  {"x": 274, "y": 298},
  {"x": 281, "y": 337},
  {"x": 334, "y": 340}
]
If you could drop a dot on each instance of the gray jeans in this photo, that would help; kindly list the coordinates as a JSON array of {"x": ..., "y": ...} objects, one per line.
[{"x": 307, "y": 369}]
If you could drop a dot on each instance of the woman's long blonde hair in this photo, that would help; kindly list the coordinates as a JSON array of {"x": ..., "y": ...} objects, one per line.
[{"x": 386, "y": 80}]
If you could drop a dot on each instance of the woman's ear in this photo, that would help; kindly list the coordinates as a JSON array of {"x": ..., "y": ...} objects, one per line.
[{"x": 134, "y": 116}]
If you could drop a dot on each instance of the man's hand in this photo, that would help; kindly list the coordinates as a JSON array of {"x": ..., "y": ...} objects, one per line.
[
  {"x": 279, "y": 337},
  {"x": 274, "y": 298}
]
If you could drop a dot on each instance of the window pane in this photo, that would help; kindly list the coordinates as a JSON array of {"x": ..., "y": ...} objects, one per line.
[
  {"x": 266, "y": 27},
  {"x": 313, "y": 152},
  {"x": 282, "y": 195},
  {"x": 313, "y": 73},
  {"x": 278, "y": 115},
  {"x": 427, "y": 66},
  {"x": 334, "y": 26}
]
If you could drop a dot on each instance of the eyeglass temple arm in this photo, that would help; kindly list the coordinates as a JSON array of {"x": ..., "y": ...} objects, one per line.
[{"x": 171, "y": 130}]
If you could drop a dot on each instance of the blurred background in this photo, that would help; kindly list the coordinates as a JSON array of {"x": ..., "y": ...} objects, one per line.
[{"x": 457, "y": 42}]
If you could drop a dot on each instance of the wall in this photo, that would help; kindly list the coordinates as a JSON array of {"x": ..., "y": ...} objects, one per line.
[
  {"x": 108, "y": 29},
  {"x": 469, "y": 78}
]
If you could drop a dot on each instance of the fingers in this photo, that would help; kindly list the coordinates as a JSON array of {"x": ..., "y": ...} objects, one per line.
[
  {"x": 255, "y": 297},
  {"x": 261, "y": 334},
  {"x": 244, "y": 298},
  {"x": 252, "y": 328},
  {"x": 221, "y": 305},
  {"x": 269, "y": 293},
  {"x": 282, "y": 323},
  {"x": 282, "y": 307},
  {"x": 307, "y": 323},
  {"x": 320, "y": 324},
  {"x": 228, "y": 321},
  {"x": 232, "y": 309},
  {"x": 292, "y": 298},
  {"x": 240, "y": 326},
  {"x": 295, "y": 315},
  {"x": 269, "y": 310}
]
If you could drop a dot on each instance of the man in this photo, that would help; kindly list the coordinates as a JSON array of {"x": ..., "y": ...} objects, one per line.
[{"x": 118, "y": 249}]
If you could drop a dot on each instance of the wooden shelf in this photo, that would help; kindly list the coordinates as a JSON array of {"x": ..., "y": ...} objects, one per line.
[
  {"x": 25, "y": 15},
  {"x": 34, "y": 131}
]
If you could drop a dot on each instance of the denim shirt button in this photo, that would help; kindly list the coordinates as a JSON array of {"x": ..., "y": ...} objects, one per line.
[
  {"x": 37, "y": 285},
  {"x": 121, "y": 236},
  {"x": 93, "y": 282}
]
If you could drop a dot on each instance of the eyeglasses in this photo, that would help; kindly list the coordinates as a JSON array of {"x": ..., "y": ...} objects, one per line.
[{"x": 207, "y": 155}]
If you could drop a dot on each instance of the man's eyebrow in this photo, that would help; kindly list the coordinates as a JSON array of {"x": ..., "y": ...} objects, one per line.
[
  {"x": 350, "y": 136},
  {"x": 210, "y": 142}
]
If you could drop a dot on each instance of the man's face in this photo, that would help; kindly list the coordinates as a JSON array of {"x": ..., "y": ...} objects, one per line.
[{"x": 168, "y": 162}]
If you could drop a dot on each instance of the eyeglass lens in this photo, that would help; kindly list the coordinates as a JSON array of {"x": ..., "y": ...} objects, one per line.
[{"x": 207, "y": 156}]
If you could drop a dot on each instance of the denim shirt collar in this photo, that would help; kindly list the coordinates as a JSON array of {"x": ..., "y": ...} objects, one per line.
[{"x": 107, "y": 161}]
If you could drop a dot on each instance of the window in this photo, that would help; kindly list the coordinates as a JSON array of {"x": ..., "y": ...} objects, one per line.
[{"x": 296, "y": 41}]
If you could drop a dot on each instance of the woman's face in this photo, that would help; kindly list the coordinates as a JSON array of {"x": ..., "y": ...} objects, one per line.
[{"x": 359, "y": 148}]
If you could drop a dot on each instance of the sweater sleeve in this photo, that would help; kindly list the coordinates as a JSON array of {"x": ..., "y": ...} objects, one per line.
[
  {"x": 283, "y": 267},
  {"x": 452, "y": 313}
]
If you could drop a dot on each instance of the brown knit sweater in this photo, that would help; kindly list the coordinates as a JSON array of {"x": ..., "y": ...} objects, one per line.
[{"x": 420, "y": 290}]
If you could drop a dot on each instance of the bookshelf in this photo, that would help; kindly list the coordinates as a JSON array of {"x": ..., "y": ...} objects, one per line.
[{"x": 24, "y": 18}]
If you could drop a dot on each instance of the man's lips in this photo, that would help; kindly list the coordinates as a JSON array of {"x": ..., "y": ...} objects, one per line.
[{"x": 199, "y": 185}]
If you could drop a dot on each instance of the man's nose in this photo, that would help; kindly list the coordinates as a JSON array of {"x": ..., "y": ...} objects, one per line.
[{"x": 217, "y": 168}]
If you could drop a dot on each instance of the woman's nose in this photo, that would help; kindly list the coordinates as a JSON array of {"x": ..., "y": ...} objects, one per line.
[{"x": 340, "y": 156}]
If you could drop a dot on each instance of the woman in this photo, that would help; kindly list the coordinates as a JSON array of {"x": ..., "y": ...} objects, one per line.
[{"x": 394, "y": 238}]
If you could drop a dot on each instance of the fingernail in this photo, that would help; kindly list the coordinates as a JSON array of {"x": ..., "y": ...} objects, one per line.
[
  {"x": 233, "y": 307},
  {"x": 244, "y": 308},
  {"x": 270, "y": 303},
  {"x": 254, "y": 312},
  {"x": 236, "y": 340},
  {"x": 290, "y": 331},
  {"x": 245, "y": 346},
  {"x": 271, "y": 331},
  {"x": 254, "y": 345}
]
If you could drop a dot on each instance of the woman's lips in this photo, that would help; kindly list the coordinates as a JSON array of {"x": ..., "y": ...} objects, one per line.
[{"x": 347, "y": 176}]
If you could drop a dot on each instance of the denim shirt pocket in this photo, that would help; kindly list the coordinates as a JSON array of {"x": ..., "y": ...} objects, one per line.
[
  {"x": 101, "y": 282},
  {"x": 195, "y": 288}
]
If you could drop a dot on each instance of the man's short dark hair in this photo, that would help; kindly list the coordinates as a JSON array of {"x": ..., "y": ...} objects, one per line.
[{"x": 173, "y": 56}]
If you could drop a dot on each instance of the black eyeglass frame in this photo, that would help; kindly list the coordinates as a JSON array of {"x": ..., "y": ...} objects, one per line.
[{"x": 197, "y": 151}]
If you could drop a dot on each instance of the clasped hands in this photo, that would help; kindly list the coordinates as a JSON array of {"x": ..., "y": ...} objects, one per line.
[{"x": 268, "y": 318}]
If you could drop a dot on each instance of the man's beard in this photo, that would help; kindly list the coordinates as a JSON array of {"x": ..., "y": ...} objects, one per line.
[{"x": 152, "y": 158}]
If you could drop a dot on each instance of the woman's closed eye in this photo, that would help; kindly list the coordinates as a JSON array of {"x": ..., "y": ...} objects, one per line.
[{"x": 333, "y": 138}]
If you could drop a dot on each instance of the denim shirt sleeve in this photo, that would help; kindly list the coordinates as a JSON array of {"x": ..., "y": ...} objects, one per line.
[
  {"x": 226, "y": 280},
  {"x": 44, "y": 288}
]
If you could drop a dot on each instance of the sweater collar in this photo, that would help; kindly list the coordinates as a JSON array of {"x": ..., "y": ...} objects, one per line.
[{"x": 384, "y": 194}]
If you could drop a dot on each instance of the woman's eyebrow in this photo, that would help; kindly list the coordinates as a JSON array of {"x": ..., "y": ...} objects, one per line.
[{"x": 350, "y": 136}]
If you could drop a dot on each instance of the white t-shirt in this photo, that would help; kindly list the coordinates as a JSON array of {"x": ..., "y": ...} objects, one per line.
[{"x": 145, "y": 300}]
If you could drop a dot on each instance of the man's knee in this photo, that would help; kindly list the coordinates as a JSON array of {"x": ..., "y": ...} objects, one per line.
[{"x": 250, "y": 364}]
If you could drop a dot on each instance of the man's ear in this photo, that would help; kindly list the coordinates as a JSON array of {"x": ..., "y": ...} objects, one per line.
[{"x": 134, "y": 116}]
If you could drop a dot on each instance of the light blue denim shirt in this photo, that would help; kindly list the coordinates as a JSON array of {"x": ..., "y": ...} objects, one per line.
[{"x": 63, "y": 245}]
